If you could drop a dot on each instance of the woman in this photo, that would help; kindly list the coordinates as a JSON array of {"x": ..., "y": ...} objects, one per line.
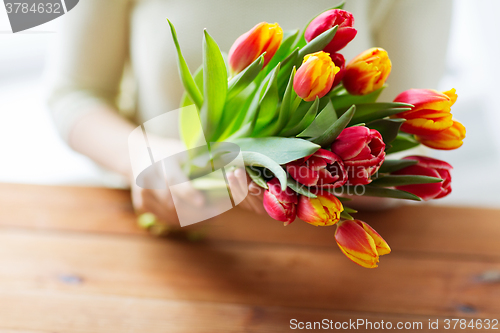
[{"x": 121, "y": 50}]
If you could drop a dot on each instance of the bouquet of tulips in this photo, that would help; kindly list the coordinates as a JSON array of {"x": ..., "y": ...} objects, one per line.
[{"x": 310, "y": 129}]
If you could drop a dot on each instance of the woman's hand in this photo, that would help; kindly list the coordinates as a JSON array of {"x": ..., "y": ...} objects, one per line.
[
  {"x": 160, "y": 201},
  {"x": 238, "y": 180}
]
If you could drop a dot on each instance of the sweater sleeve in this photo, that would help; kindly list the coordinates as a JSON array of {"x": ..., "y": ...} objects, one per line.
[{"x": 87, "y": 61}]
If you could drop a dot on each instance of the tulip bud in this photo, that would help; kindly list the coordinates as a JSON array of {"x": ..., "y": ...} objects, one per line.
[
  {"x": 315, "y": 76},
  {"x": 431, "y": 167},
  {"x": 321, "y": 211},
  {"x": 339, "y": 61},
  {"x": 345, "y": 32},
  {"x": 323, "y": 169},
  {"x": 280, "y": 205},
  {"x": 264, "y": 37},
  {"x": 450, "y": 138},
  {"x": 367, "y": 72},
  {"x": 430, "y": 113},
  {"x": 360, "y": 243},
  {"x": 362, "y": 150}
]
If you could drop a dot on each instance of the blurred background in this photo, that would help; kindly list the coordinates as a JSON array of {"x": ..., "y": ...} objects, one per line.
[{"x": 32, "y": 152}]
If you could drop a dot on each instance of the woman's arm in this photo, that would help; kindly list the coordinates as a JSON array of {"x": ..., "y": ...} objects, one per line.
[{"x": 86, "y": 71}]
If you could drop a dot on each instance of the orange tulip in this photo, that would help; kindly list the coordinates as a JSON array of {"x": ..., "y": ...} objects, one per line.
[
  {"x": 264, "y": 37},
  {"x": 315, "y": 76},
  {"x": 431, "y": 113},
  {"x": 367, "y": 72},
  {"x": 451, "y": 138},
  {"x": 360, "y": 243},
  {"x": 321, "y": 211}
]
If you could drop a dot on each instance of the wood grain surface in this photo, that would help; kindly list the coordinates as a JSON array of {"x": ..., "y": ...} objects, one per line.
[{"x": 73, "y": 260}]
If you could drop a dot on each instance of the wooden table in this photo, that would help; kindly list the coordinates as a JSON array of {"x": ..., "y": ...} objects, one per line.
[{"x": 73, "y": 260}]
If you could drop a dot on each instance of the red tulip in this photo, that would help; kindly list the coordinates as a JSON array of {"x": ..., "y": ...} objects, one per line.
[
  {"x": 280, "y": 205},
  {"x": 362, "y": 150},
  {"x": 345, "y": 32},
  {"x": 360, "y": 243},
  {"x": 432, "y": 167},
  {"x": 324, "y": 210},
  {"x": 323, "y": 168},
  {"x": 339, "y": 61},
  {"x": 264, "y": 37}
]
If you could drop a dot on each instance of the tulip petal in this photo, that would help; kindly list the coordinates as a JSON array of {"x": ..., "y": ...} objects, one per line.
[
  {"x": 324, "y": 210},
  {"x": 380, "y": 243},
  {"x": 451, "y": 138},
  {"x": 357, "y": 244}
]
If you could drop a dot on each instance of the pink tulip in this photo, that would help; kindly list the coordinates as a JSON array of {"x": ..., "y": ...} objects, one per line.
[
  {"x": 362, "y": 150},
  {"x": 280, "y": 205},
  {"x": 427, "y": 166},
  {"x": 323, "y": 169},
  {"x": 329, "y": 19}
]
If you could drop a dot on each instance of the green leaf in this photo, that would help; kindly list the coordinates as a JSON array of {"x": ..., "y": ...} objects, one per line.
[
  {"x": 341, "y": 99},
  {"x": 235, "y": 111},
  {"x": 395, "y": 165},
  {"x": 252, "y": 112},
  {"x": 317, "y": 44},
  {"x": 334, "y": 130},
  {"x": 350, "y": 210},
  {"x": 244, "y": 78},
  {"x": 286, "y": 107},
  {"x": 284, "y": 50},
  {"x": 280, "y": 150},
  {"x": 320, "y": 125},
  {"x": 256, "y": 177},
  {"x": 400, "y": 180},
  {"x": 372, "y": 191},
  {"x": 215, "y": 86},
  {"x": 388, "y": 128},
  {"x": 305, "y": 122},
  {"x": 185, "y": 75},
  {"x": 190, "y": 134},
  {"x": 286, "y": 69},
  {"x": 402, "y": 142},
  {"x": 268, "y": 107},
  {"x": 257, "y": 159},
  {"x": 300, "y": 189},
  {"x": 368, "y": 112},
  {"x": 345, "y": 215}
]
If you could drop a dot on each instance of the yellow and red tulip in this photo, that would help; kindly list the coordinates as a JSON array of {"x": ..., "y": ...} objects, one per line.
[
  {"x": 450, "y": 138},
  {"x": 427, "y": 166},
  {"x": 315, "y": 76},
  {"x": 431, "y": 111},
  {"x": 360, "y": 243},
  {"x": 345, "y": 32},
  {"x": 367, "y": 72},
  {"x": 323, "y": 169},
  {"x": 280, "y": 205},
  {"x": 363, "y": 152},
  {"x": 324, "y": 210},
  {"x": 264, "y": 37}
]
